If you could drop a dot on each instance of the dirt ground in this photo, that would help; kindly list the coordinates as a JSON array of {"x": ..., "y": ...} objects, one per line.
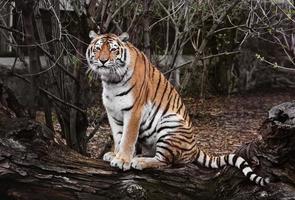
[{"x": 222, "y": 124}]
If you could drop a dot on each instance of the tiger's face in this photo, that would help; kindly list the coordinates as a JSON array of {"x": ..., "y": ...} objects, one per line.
[{"x": 107, "y": 56}]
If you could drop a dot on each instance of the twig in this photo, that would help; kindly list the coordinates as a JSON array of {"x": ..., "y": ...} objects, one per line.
[
  {"x": 220, "y": 54},
  {"x": 118, "y": 9},
  {"x": 102, "y": 117},
  {"x": 51, "y": 95},
  {"x": 57, "y": 19},
  {"x": 288, "y": 16},
  {"x": 275, "y": 65},
  {"x": 203, "y": 58},
  {"x": 169, "y": 15},
  {"x": 47, "y": 69},
  {"x": 12, "y": 30},
  {"x": 58, "y": 64},
  {"x": 14, "y": 63},
  {"x": 133, "y": 19}
]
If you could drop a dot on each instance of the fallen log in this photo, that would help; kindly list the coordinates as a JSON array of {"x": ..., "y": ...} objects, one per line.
[{"x": 34, "y": 166}]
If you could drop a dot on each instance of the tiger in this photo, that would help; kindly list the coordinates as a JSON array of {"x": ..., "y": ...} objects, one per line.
[{"x": 144, "y": 109}]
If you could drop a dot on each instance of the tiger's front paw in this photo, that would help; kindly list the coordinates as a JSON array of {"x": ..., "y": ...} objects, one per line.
[
  {"x": 109, "y": 156},
  {"x": 121, "y": 162}
]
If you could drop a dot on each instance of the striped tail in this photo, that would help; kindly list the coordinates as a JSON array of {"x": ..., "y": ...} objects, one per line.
[{"x": 232, "y": 160}]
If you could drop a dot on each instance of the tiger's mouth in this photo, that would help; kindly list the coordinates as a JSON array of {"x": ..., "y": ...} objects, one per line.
[{"x": 109, "y": 73}]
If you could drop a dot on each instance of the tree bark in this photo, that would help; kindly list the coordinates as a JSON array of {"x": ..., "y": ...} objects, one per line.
[
  {"x": 27, "y": 8},
  {"x": 34, "y": 166},
  {"x": 42, "y": 37},
  {"x": 146, "y": 28}
]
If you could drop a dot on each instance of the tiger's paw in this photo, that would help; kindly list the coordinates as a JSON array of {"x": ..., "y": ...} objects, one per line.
[
  {"x": 109, "y": 156},
  {"x": 138, "y": 163},
  {"x": 121, "y": 163}
]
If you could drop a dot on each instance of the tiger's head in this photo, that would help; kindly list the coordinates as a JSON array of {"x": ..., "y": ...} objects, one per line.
[{"x": 107, "y": 56}]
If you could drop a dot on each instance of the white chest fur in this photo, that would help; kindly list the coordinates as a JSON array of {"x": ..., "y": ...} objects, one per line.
[{"x": 113, "y": 101}]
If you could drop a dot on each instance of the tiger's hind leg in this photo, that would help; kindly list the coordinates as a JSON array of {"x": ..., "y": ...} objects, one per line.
[
  {"x": 162, "y": 158},
  {"x": 141, "y": 163}
]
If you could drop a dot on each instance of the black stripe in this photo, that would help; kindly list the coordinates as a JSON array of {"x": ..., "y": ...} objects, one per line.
[
  {"x": 182, "y": 104},
  {"x": 142, "y": 85},
  {"x": 168, "y": 127},
  {"x": 210, "y": 161},
  {"x": 235, "y": 160},
  {"x": 127, "y": 79},
  {"x": 185, "y": 114},
  {"x": 181, "y": 147},
  {"x": 113, "y": 82},
  {"x": 149, "y": 125},
  {"x": 264, "y": 182},
  {"x": 198, "y": 154},
  {"x": 147, "y": 136},
  {"x": 157, "y": 87},
  {"x": 255, "y": 178},
  {"x": 167, "y": 104},
  {"x": 154, "y": 114},
  {"x": 153, "y": 118},
  {"x": 169, "y": 121},
  {"x": 226, "y": 159},
  {"x": 162, "y": 138},
  {"x": 125, "y": 92},
  {"x": 128, "y": 108},
  {"x": 188, "y": 132},
  {"x": 175, "y": 96},
  {"x": 218, "y": 162},
  {"x": 146, "y": 94},
  {"x": 143, "y": 82},
  {"x": 121, "y": 52},
  {"x": 165, "y": 157},
  {"x": 178, "y": 101},
  {"x": 177, "y": 133},
  {"x": 150, "y": 69},
  {"x": 181, "y": 139},
  {"x": 125, "y": 54},
  {"x": 167, "y": 149},
  {"x": 118, "y": 122},
  {"x": 153, "y": 72},
  {"x": 120, "y": 133},
  {"x": 260, "y": 181},
  {"x": 141, "y": 124},
  {"x": 169, "y": 115},
  {"x": 249, "y": 174},
  {"x": 243, "y": 165},
  {"x": 171, "y": 89}
]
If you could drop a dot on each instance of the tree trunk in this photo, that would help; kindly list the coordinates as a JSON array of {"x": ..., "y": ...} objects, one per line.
[
  {"x": 33, "y": 166},
  {"x": 27, "y": 8},
  {"x": 46, "y": 104},
  {"x": 146, "y": 28}
]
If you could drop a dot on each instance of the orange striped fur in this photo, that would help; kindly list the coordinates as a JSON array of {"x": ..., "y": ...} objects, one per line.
[{"x": 145, "y": 109}]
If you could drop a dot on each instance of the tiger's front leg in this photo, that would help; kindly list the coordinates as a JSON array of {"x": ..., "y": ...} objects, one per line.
[
  {"x": 128, "y": 141},
  {"x": 117, "y": 130}
]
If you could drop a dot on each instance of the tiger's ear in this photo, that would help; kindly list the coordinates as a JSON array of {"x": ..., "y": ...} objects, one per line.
[
  {"x": 92, "y": 34},
  {"x": 124, "y": 37}
]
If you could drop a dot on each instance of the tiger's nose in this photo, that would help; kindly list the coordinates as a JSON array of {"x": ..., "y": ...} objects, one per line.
[{"x": 103, "y": 61}]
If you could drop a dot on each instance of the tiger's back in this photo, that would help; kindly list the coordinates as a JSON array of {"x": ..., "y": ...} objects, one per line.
[{"x": 144, "y": 108}]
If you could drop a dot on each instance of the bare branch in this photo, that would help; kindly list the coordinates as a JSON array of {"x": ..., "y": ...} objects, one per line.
[{"x": 49, "y": 94}]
